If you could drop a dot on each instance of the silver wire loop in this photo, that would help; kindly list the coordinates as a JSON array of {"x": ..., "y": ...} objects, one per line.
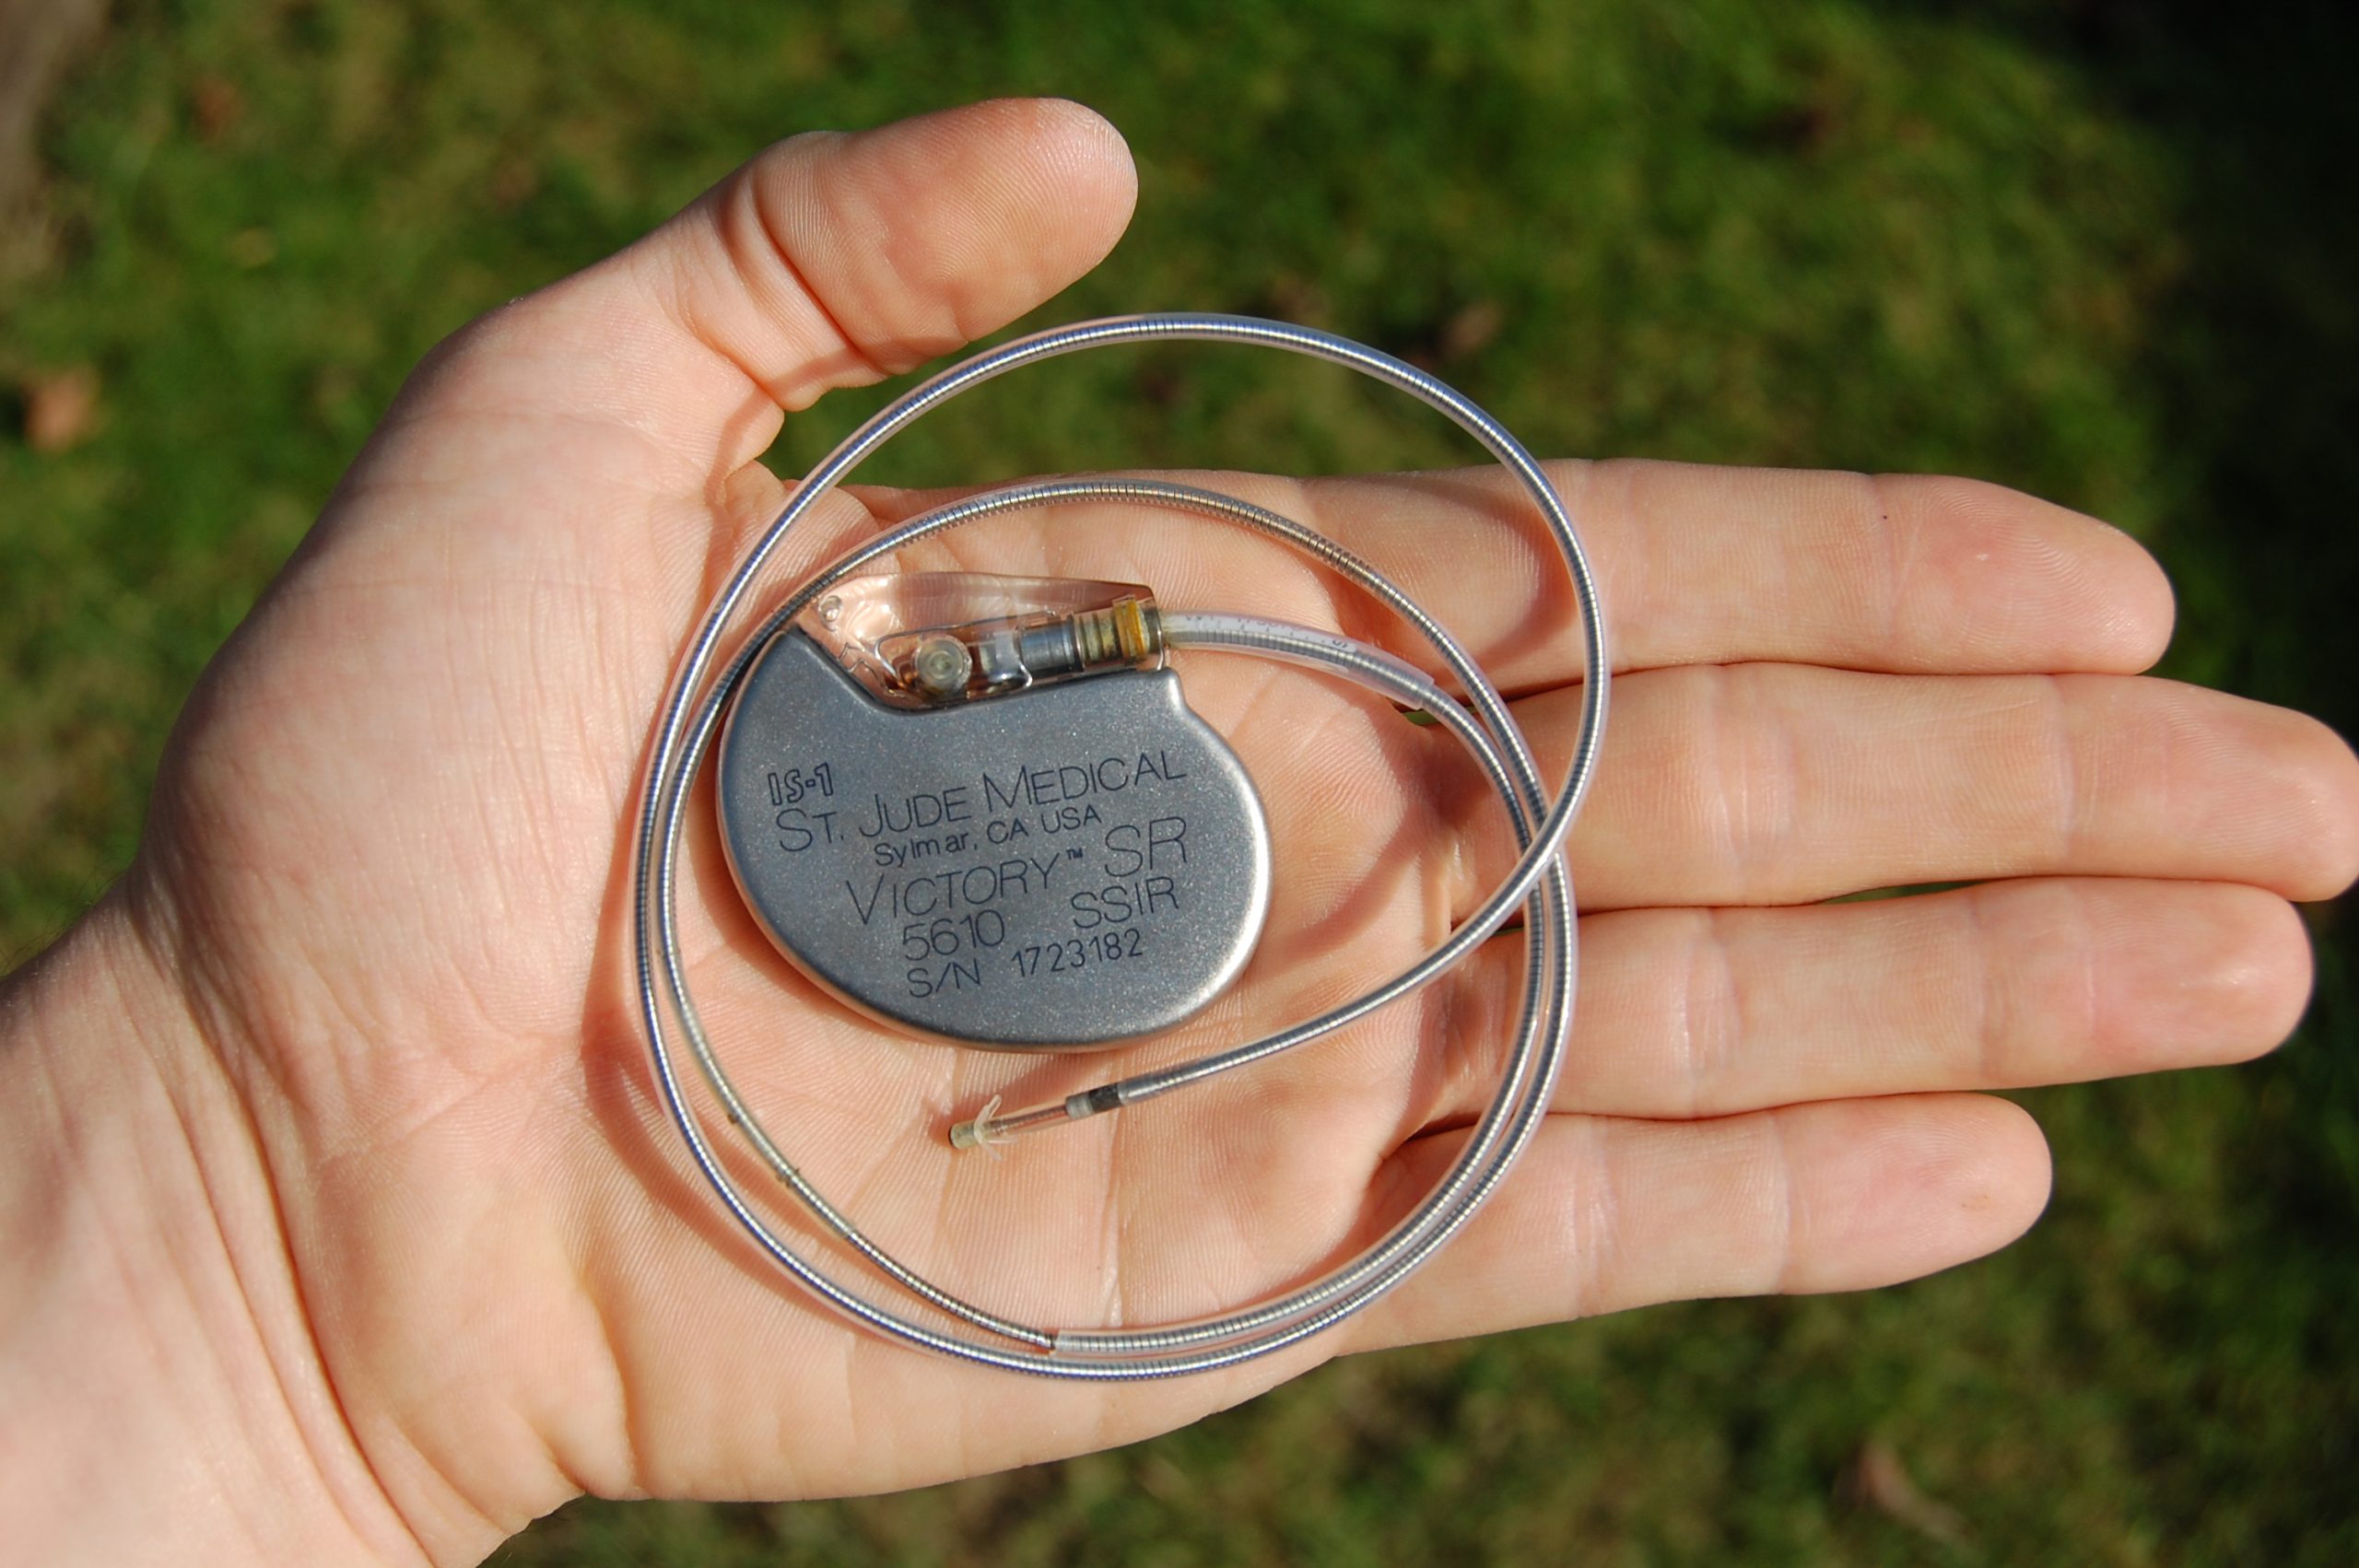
[{"x": 686, "y": 728}]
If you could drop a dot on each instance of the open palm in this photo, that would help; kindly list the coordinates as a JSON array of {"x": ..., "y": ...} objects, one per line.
[{"x": 389, "y": 858}]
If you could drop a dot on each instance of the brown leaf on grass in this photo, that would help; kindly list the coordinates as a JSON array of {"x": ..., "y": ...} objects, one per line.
[
  {"x": 1878, "y": 1479},
  {"x": 1165, "y": 1482},
  {"x": 251, "y": 247},
  {"x": 514, "y": 181},
  {"x": 215, "y": 105},
  {"x": 1471, "y": 329},
  {"x": 1293, "y": 298},
  {"x": 61, "y": 408}
]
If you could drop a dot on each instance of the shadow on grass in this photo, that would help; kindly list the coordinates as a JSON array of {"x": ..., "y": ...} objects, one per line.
[{"x": 2257, "y": 366}]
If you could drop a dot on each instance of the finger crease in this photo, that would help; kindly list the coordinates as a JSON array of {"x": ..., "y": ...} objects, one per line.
[
  {"x": 1989, "y": 1023},
  {"x": 773, "y": 238},
  {"x": 1789, "y": 1214},
  {"x": 2066, "y": 769}
]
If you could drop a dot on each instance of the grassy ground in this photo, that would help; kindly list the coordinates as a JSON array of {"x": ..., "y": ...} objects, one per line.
[{"x": 2096, "y": 250}]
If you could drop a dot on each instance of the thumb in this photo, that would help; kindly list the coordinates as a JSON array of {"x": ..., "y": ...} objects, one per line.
[
  {"x": 835, "y": 260},
  {"x": 830, "y": 260}
]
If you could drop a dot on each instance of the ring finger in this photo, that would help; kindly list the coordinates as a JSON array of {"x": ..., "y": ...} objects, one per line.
[{"x": 1708, "y": 1013}]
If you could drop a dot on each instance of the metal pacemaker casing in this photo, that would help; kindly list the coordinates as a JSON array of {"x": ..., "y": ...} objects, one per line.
[{"x": 1063, "y": 867}]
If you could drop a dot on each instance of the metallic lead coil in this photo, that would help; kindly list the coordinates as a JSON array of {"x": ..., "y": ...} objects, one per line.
[{"x": 698, "y": 699}]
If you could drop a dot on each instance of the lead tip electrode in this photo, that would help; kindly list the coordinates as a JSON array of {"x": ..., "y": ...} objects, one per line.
[{"x": 988, "y": 1130}]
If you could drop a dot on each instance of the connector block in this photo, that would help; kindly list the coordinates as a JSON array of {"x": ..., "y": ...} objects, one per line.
[{"x": 930, "y": 640}]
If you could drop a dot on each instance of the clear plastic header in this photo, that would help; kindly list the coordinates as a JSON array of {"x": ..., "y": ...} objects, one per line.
[{"x": 931, "y": 639}]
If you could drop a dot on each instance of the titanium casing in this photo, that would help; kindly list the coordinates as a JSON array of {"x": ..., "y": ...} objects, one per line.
[{"x": 1052, "y": 867}]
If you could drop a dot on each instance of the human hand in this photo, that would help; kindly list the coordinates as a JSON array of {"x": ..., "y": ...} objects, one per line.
[{"x": 444, "y": 1267}]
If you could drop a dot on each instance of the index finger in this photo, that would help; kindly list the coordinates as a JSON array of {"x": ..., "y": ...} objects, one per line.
[{"x": 1696, "y": 565}]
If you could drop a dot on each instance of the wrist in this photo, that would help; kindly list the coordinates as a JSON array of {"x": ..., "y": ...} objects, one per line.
[{"x": 163, "y": 1394}]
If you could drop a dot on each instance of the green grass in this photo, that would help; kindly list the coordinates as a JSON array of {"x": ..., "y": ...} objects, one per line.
[{"x": 2100, "y": 252}]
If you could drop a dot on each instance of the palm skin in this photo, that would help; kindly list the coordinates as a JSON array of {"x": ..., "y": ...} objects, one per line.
[{"x": 388, "y": 863}]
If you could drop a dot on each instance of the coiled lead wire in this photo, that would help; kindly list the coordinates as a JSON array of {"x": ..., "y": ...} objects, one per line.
[{"x": 684, "y": 736}]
